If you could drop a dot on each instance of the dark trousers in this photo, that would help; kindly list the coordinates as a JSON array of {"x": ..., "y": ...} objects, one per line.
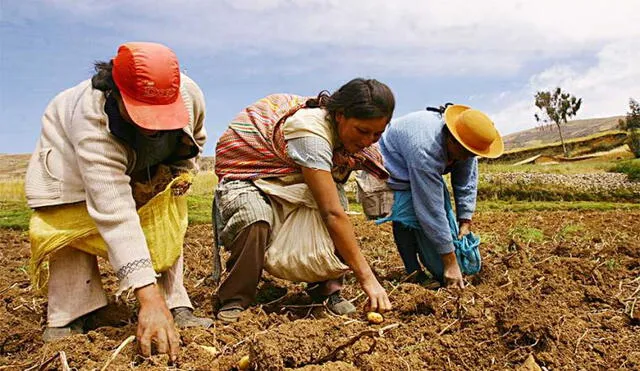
[
  {"x": 245, "y": 266},
  {"x": 415, "y": 248}
]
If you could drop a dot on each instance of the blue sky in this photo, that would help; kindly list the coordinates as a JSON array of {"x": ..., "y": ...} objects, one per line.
[{"x": 492, "y": 55}]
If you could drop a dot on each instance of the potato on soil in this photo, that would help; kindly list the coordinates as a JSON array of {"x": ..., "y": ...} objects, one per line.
[{"x": 374, "y": 317}]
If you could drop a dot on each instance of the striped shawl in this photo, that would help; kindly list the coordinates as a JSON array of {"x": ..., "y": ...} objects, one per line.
[{"x": 253, "y": 146}]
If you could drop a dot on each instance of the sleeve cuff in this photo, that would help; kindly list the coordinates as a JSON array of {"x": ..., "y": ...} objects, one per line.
[
  {"x": 465, "y": 215},
  {"x": 446, "y": 248},
  {"x": 135, "y": 274}
]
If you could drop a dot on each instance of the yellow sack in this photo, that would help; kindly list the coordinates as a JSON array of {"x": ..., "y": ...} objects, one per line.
[
  {"x": 301, "y": 248},
  {"x": 163, "y": 219}
]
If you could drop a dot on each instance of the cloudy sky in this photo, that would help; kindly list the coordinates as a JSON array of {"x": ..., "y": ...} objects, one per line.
[{"x": 491, "y": 54}]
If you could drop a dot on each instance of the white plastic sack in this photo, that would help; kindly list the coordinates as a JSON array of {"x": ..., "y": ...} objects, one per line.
[{"x": 301, "y": 248}]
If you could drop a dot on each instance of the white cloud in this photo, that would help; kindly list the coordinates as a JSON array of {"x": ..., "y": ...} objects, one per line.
[
  {"x": 589, "y": 48},
  {"x": 605, "y": 88},
  {"x": 456, "y": 37}
]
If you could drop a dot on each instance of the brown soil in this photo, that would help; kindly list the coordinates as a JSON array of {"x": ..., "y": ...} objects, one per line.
[{"x": 560, "y": 286}]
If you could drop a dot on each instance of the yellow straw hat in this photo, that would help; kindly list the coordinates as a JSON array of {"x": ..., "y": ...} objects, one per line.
[{"x": 474, "y": 130}]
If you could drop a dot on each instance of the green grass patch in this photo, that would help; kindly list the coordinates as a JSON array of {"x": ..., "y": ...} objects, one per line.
[
  {"x": 489, "y": 238},
  {"x": 204, "y": 183},
  {"x": 12, "y": 190},
  {"x": 527, "y": 234},
  {"x": 14, "y": 215},
  {"x": 355, "y": 207},
  {"x": 570, "y": 229},
  {"x": 199, "y": 209},
  {"x": 598, "y": 142},
  {"x": 612, "y": 264},
  {"x": 200, "y": 197},
  {"x": 537, "y": 191},
  {"x": 631, "y": 168}
]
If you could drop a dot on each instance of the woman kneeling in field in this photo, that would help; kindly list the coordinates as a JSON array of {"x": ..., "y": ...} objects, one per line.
[{"x": 279, "y": 202}]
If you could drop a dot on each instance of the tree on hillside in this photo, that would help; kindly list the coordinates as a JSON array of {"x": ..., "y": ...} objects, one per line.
[
  {"x": 631, "y": 123},
  {"x": 557, "y": 107}
]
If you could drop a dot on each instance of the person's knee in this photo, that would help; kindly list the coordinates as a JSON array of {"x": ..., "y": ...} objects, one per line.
[
  {"x": 251, "y": 243},
  {"x": 260, "y": 231}
]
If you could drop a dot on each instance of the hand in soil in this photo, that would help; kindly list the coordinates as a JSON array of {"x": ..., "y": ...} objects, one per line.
[
  {"x": 378, "y": 298},
  {"x": 452, "y": 274},
  {"x": 454, "y": 281},
  {"x": 155, "y": 323}
]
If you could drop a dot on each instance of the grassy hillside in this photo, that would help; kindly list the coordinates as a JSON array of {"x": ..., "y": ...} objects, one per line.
[
  {"x": 13, "y": 166},
  {"x": 602, "y": 142},
  {"x": 573, "y": 129}
]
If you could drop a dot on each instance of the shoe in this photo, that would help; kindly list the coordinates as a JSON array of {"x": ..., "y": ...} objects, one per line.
[
  {"x": 425, "y": 280},
  {"x": 56, "y": 333},
  {"x": 230, "y": 314},
  {"x": 335, "y": 302},
  {"x": 421, "y": 278},
  {"x": 339, "y": 305},
  {"x": 183, "y": 317}
]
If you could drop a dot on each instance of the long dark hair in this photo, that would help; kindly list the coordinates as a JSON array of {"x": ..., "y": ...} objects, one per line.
[
  {"x": 103, "y": 79},
  {"x": 359, "y": 98}
]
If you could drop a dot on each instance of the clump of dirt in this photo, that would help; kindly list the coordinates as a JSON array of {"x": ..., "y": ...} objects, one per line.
[
  {"x": 145, "y": 190},
  {"x": 559, "y": 290},
  {"x": 414, "y": 299}
]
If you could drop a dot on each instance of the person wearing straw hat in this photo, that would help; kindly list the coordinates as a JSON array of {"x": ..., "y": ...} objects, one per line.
[
  {"x": 137, "y": 112},
  {"x": 418, "y": 149}
]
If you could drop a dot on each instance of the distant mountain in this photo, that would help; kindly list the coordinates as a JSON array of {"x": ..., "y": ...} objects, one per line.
[
  {"x": 572, "y": 129},
  {"x": 15, "y": 166}
]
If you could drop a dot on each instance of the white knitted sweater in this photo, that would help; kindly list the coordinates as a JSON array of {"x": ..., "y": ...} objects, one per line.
[{"x": 78, "y": 159}]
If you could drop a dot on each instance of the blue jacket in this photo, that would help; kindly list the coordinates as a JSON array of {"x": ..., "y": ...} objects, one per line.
[{"x": 415, "y": 154}]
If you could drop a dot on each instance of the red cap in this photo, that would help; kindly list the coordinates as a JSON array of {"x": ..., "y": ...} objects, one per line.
[{"x": 148, "y": 77}]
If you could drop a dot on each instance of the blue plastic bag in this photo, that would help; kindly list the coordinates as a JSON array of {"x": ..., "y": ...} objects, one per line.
[{"x": 467, "y": 248}]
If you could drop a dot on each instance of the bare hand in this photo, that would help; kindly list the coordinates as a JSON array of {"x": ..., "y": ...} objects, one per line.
[
  {"x": 378, "y": 299},
  {"x": 465, "y": 229},
  {"x": 155, "y": 323},
  {"x": 179, "y": 188},
  {"x": 452, "y": 274}
]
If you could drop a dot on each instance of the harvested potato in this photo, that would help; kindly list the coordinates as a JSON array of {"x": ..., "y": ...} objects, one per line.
[
  {"x": 209, "y": 349},
  {"x": 374, "y": 317},
  {"x": 244, "y": 363}
]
